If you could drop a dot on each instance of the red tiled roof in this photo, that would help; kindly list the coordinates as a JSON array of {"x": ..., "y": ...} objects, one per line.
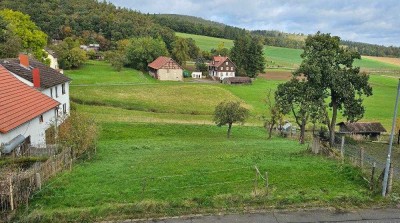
[
  {"x": 160, "y": 62},
  {"x": 219, "y": 60},
  {"x": 19, "y": 102}
]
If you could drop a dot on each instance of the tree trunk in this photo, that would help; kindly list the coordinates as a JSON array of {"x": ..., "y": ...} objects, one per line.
[
  {"x": 271, "y": 127},
  {"x": 332, "y": 125},
  {"x": 302, "y": 131},
  {"x": 229, "y": 130}
]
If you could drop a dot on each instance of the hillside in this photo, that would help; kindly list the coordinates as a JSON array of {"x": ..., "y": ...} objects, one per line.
[{"x": 289, "y": 59}]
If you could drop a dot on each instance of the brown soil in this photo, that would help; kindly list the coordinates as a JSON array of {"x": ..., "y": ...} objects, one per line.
[
  {"x": 278, "y": 75},
  {"x": 389, "y": 60}
]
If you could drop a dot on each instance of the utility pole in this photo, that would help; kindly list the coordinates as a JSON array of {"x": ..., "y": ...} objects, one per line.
[{"x": 386, "y": 176}]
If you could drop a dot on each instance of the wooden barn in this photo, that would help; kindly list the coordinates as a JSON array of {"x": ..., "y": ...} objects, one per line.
[
  {"x": 166, "y": 69},
  {"x": 367, "y": 129},
  {"x": 237, "y": 80}
]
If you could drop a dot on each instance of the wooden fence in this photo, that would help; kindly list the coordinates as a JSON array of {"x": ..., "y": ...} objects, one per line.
[{"x": 17, "y": 188}]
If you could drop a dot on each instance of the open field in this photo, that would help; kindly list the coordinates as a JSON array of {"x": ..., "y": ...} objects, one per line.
[
  {"x": 160, "y": 154},
  {"x": 207, "y": 43},
  {"x": 286, "y": 58},
  {"x": 148, "y": 99},
  {"x": 167, "y": 169},
  {"x": 390, "y": 60}
]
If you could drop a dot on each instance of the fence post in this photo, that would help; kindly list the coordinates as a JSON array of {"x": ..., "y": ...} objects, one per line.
[
  {"x": 361, "y": 157},
  {"x": 372, "y": 183},
  {"x": 342, "y": 147},
  {"x": 70, "y": 165},
  {"x": 255, "y": 182},
  {"x": 38, "y": 181},
  {"x": 11, "y": 193},
  {"x": 266, "y": 182}
]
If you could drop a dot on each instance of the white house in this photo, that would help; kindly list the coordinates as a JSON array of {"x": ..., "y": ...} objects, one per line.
[
  {"x": 221, "y": 67},
  {"x": 52, "y": 56},
  {"x": 197, "y": 75},
  {"x": 25, "y": 113},
  {"x": 50, "y": 81}
]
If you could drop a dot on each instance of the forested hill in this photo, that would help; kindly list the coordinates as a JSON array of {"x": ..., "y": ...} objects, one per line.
[
  {"x": 105, "y": 23},
  {"x": 199, "y": 26},
  {"x": 102, "y": 20}
]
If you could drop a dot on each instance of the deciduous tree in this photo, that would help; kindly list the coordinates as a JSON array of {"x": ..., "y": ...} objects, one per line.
[
  {"x": 227, "y": 113},
  {"x": 329, "y": 69},
  {"x": 32, "y": 39},
  {"x": 142, "y": 51},
  {"x": 300, "y": 99}
]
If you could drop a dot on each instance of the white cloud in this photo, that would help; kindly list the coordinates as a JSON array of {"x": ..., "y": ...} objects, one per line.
[{"x": 358, "y": 20}]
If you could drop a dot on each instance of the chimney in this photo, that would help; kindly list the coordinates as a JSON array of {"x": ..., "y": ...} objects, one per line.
[
  {"x": 24, "y": 60},
  {"x": 36, "y": 77}
]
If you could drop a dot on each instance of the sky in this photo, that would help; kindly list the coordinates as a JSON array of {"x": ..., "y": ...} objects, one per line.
[{"x": 376, "y": 22}]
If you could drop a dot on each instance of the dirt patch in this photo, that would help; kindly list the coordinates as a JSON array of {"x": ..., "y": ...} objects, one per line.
[
  {"x": 279, "y": 75},
  {"x": 389, "y": 60}
]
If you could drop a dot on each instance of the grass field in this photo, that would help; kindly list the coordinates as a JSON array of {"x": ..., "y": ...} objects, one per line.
[
  {"x": 279, "y": 57},
  {"x": 159, "y": 154},
  {"x": 167, "y": 169},
  {"x": 207, "y": 43}
]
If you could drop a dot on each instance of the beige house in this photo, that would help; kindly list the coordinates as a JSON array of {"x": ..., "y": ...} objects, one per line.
[{"x": 166, "y": 69}]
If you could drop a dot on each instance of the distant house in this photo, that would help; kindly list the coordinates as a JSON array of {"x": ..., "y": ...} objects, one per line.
[
  {"x": 95, "y": 47},
  {"x": 25, "y": 113},
  {"x": 166, "y": 69},
  {"x": 237, "y": 80},
  {"x": 221, "y": 68},
  {"x": 52, "y": 56},
  {"x": 367, "y": 129},
  {"x": 49, "y": 81}
]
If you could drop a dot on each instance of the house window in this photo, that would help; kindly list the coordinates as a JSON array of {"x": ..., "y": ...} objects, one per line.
[
  {"x": 64, "y": 108},
  {"x": 226, "y": 62},
  {"x": 231, "y": 68},
  {"x": 51, "y": 92},
  {"x": 41, "y": 119},
  {"x": 56, "y": 91},
  {"x": 222, "y": 68},
  {"x": 63, "y": 88}
]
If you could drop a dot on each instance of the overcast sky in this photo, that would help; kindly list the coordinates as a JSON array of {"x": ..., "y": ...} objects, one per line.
[{"x": 358, "y": 20}]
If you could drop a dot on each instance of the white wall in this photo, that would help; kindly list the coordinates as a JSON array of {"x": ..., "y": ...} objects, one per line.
[
  {"x": 53, "y": 61},
  {"x": 32, "y": 128},
  {"x": 170, "y": 74},
  {"x": 62, "y": 98},
  {"x": 223, "y": 75}
]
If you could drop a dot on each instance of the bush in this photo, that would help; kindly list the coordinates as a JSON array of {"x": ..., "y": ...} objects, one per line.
[{"x": 79, "y": 133}]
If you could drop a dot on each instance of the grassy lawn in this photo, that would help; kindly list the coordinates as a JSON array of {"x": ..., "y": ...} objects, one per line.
[
  {"x": 159, "y": 154},
  {"x": 167, "y": 169},
  {"x": 98, "y": 72}
]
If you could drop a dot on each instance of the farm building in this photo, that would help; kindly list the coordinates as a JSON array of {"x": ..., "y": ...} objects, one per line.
[
  {"x": 166, "y": 69},
  {"x": 221, "y": 68},
  {"x": 197, "y": 75},
  {"x": 237, "y": 80},
  {"x": 26, "y": 113},
  {"x": 367, "y": 129},
  {"x": 51, "y": 82}
]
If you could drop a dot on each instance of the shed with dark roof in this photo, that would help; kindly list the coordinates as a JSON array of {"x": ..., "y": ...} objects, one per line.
[
  {"x": 369, "y": 129},
  {"x": 166, "y": 69}
]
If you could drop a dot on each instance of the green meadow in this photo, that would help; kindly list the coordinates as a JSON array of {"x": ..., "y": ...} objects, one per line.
[
  {"x": 159, "y": 153},
  {"x": 279, "y": 57}
]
